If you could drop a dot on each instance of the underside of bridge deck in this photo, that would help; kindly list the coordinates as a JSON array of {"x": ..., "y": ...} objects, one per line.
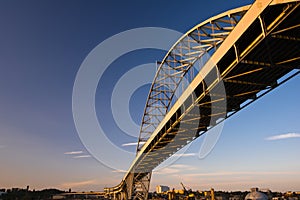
[{"x": 263, "y": 56}]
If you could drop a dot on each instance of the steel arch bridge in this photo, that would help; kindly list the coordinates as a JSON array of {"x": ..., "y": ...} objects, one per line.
[{"x": 214, "y": 70}]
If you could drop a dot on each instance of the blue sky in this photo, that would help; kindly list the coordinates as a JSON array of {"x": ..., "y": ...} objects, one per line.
[{"x": 43, "y": 44}]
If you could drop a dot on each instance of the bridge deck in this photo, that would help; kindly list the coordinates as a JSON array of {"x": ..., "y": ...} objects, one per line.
[
  {"x": 257, "y": 56},
  {"x": 244, "y": 76}
]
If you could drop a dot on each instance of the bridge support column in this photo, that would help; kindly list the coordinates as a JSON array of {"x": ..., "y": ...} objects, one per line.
[{"x": 141, "y": 186}]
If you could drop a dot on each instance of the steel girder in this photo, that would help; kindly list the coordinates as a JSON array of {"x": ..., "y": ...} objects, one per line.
[{"x": 245, "y": 57}]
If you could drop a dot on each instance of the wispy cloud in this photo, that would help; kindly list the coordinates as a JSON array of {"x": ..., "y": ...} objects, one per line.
[
  {"x": 83, "y": 156},
  {"x": 183, "y": 167},
  {"x": 283, "y": 136},
  {"x": 132, "y": 144},
  {"x": 77, "y": 154},
  {"x": 78, "y": 184},
  {"x": 119, "y": 171},
  {"x": 232, "y": 173},
  {"x": 73, "y": 152},
  {"x": 184, "y": 154},
  {"x": 176, "y": 168},
  {"x": 167, "y": 170}
]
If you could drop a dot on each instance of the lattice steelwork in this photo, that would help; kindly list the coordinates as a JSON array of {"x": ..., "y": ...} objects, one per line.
[{"x": 198, "y": 44}]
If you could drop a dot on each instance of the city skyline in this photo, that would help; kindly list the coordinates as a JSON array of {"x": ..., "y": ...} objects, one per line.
[{"x": 43, "y": 46}]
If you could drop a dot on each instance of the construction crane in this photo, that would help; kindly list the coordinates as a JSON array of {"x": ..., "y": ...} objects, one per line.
[
  {"x": 181, "y": 194},
  {"x": 184, "y": 189},
  {"x": 189, "y": 195}
]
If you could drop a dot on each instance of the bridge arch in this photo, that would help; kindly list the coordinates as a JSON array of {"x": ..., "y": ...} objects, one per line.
[{"x": 252, "y": 50}]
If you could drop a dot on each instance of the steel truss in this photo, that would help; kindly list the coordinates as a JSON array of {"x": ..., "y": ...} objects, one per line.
[{"x": 247, "y": 51}]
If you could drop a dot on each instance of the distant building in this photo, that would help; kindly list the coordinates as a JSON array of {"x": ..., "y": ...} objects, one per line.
[
  {"x": 161, "y": 189},
  {"x": 236, "y": 197},
  {"x": 292, "y": 198},
  {"x": 256, "y": 195},
  {"x": 16, "y": 189},
  {"x": 277, "y": 198},
  {"x": 221, "y": 197}
]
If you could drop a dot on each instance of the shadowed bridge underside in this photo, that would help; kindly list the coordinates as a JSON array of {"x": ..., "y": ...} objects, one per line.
[{"x": 214, "y": 70}]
